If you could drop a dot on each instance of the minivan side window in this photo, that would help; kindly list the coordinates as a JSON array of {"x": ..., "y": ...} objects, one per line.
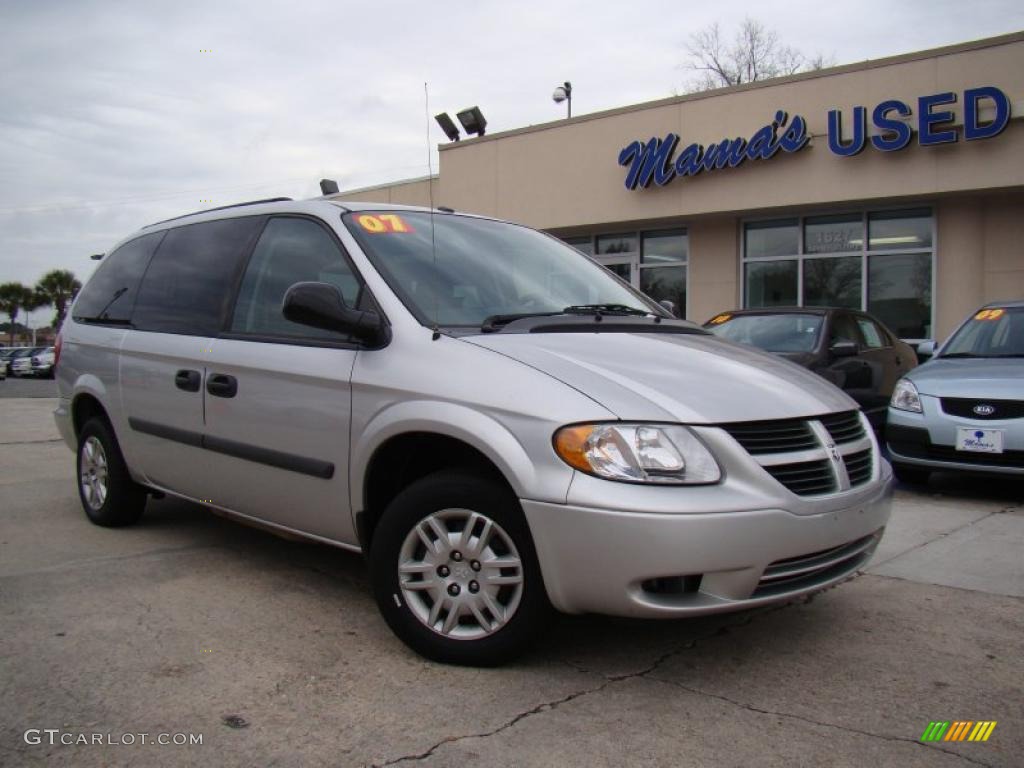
[
  {"x": 110, "y": 295},
  {"x": 290, "y": 250},
  {"x": 190, "y": 281}
]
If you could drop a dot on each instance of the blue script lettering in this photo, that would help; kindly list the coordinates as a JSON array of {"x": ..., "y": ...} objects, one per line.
[{"x": 652, "y": 160}]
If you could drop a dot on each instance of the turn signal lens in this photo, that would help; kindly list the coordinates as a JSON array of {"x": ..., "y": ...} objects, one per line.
[{"x": 637, "y": 453}]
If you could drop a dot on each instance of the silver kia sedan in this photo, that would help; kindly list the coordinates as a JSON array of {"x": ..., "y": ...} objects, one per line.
[{"x": 963, "y": 410}]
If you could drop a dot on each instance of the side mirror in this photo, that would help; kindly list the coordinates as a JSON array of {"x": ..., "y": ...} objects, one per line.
[
  {"x": 925, "y": 349},
  {"x": 321, "y": 305},
  {"x": 670, "y": 306},
  {"x": 844, "y": 349}
]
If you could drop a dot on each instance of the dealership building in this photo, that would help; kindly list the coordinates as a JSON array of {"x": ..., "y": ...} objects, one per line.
[{"x": 895, "y": 186}]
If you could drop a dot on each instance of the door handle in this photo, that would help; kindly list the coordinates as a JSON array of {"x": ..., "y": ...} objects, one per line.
[
  {"x": 221, "y": 385},
  {"x": 188, "y": 380}
]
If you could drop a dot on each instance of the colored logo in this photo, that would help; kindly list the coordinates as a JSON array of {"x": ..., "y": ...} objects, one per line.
[
  {"x": 959, "y": 730},
  {"x": 984, "y": 409}
]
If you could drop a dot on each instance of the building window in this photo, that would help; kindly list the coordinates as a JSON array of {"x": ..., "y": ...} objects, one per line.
[
  {"x": 653, "y": 261},
  {"x": 818, "y": 261}
]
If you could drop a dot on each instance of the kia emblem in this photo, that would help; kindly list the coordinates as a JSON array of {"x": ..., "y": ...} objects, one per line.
[{"x": 984, "y": 409}]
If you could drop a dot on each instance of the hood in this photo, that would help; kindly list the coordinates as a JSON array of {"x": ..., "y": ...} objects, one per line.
[
  {"x": 996, "y": 378},
  {"x": 694, "y": 379}
]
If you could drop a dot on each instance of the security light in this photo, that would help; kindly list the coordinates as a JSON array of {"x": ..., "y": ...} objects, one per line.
[
  {"x": 449, "y": 128},
  {"x": 473, "y": 121},
  {"x": 564, "y": 93},
  {"x": 328, "y": 187}
]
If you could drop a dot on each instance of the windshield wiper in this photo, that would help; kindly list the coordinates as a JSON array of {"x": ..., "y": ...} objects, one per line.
[
  {"x": 494, "y": 322},
  {"x": 611, "y": 309},
  {"x": 961, "y": 354}
]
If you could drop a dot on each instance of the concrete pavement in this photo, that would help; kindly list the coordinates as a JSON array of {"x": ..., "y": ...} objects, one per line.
[{"x": 186, "y": 620}]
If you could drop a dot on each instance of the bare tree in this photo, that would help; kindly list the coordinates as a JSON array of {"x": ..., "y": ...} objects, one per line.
[{"x": 754, "y": 53}]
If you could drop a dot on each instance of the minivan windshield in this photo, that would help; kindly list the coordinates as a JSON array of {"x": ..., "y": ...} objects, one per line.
[
  {"x": 991, "y": 332},
  {"x": 788, "y": 332},
  {"x": 452, "y": 270}
]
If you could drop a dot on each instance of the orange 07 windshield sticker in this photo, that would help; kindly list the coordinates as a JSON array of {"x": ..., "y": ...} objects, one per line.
[
  {"x": 989, "y": 314},
  {"x": 720, "y": 319},
  {"x": 383, "y": 223}
]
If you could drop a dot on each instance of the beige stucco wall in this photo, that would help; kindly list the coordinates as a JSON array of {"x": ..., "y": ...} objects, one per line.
[
  {"x": 979, "y": 254},
  {"x": 566, "y": 174},
  {"x": 713, "y": 267},
  {"x": 412, "y": 192}
]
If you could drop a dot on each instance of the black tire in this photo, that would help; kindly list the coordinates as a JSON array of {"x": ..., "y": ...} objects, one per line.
[
  {"x": 124, "y": 500},
  {"x": 911, "y": 475},
  {"x": 456, "y": 490}
]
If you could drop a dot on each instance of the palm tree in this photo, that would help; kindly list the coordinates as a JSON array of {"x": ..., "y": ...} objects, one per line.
[
  {"x": 58, "y": 287},
  {"x": 15, "y": 297}
]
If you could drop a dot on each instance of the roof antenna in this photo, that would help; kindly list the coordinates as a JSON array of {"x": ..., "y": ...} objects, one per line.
[{"x": 430, "y": 191}]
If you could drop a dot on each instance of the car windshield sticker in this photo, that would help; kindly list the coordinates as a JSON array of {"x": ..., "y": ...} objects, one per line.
[
  {"x": 383, "y": 223},
  {"x": 718, "y": 320},
  {"x": 989, "y": 314}
]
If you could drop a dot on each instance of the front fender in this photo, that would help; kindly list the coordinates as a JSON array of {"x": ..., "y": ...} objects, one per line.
[{"x": 528, "y": 478}]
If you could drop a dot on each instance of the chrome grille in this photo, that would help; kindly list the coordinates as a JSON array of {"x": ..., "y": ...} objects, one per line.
[
  {"x": 843, "y": 427},
  {"x": 760, "y": 437},
  {"x": 807, "y": 478},
  {"x": 858, "y": 467},
  {"x": 811, "y": 456}
]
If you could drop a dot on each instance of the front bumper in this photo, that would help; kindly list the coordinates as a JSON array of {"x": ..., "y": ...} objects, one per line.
[
  {"x": 928, "y": 440},
  {"x": 672, "y": 565}
]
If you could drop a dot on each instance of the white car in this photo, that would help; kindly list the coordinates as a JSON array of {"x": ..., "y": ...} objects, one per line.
[{"x": 43, "y": 363}]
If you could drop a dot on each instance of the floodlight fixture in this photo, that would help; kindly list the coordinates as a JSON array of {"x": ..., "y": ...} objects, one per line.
[
  {"x": 473, "y": 121},
  {"x": 448, "y": 126}
]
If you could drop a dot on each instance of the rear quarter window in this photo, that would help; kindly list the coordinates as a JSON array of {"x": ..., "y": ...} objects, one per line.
[
  {"x": 110, "y": 294},
  {"x": 190, "y": 280}
]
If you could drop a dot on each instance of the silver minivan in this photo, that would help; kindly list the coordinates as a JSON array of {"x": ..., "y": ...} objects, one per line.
[{"x": 499, "y": 424}]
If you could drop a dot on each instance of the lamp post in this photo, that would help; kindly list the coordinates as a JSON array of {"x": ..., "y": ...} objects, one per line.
[{"x": 564, "y": 93}]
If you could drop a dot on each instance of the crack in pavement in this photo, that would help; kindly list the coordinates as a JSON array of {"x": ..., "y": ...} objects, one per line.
[
  {"x": 775, "y": 713},
  {"x": 1003, "y": 511},
  {"x": 73, "y": 564},
  {"x": 549, "y": 706},
  {"x": 34, "y": 442}
]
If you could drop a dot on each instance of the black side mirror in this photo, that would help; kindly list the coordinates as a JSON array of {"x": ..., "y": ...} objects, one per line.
[
  {"x": 321, "y": 305},
  {"x": 844, "y": 349}
]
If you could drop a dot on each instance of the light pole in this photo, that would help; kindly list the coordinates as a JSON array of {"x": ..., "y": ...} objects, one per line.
[{"x": 564, "y": 93}]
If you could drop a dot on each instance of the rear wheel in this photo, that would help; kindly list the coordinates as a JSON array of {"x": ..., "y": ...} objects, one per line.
[
  {"x": 109, "y": 495},
  {"x": 455, "y": 573},
  {"x": 911, "y": 475}
]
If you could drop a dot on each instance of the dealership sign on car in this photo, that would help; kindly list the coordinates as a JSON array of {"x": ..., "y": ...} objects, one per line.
[{"x": 656, "y": 160}]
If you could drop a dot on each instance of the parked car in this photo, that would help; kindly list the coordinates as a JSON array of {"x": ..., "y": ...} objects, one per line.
[
  {"x": 963, "y": 410},
  {"x": 6, "y": 357},
  {"x": 43, "y": 363},
  {"x": 21, "y": 361},
  {"x": 852, "y": 349},
  {"x": 493, "y": 419}
]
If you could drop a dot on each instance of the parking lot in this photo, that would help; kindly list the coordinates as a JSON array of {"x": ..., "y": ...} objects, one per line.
[{"x": 274, "y": 652}]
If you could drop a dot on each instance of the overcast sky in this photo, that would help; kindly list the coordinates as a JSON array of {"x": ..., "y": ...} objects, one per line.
[{"x": 113, "y": 115}]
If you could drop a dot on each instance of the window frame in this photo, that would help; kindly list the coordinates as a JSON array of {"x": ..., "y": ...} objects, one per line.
[
  {"x": 635, "y": 258},
  {"x": 366, "y": 297},
  {"x": 864, "y": 252}
]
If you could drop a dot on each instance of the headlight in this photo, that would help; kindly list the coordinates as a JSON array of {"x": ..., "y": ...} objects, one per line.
[
  {"x": 905, "y": 397},
  {"x": 637, "y": 453}
]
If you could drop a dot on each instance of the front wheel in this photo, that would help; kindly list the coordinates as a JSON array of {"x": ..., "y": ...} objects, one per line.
[{"x": 455, "y": 573}]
